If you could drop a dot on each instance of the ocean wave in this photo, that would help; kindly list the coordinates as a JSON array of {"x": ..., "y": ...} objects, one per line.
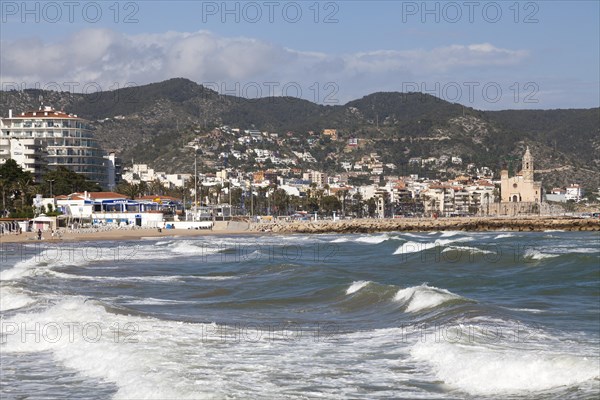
[
  {"x": 356, "y": 286},
  {"x": 155, "y": 302},
  {"x": 413, "y": 235},
  {"x": 534, "y": 254},
  {"x": 529, "y": 310},
  {"x": 419, "y": 298},
  {"x": 467, "y": 249},
  {"x": 340, "y": 240},
  {"x": 12, "y": 298},
  {"x": 415, "y": 247},
  {"x": 372, "y": 239},
  {"x": 451, "y": 233},
  {"x": 480, "y": 369},
  {"x": 504, "y": 235},
  {"x": 149, "y": 278},
  {"x": 143, "y": 347}
]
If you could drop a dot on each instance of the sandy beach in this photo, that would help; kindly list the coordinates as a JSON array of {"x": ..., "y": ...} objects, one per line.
[
  {"x": 525, "y": 224},
  {"x": 68, "y": 236}
]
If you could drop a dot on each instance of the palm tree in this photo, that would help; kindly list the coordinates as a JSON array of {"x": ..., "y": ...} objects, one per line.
[
  {"x": 486, "y": 196},
  {"x": 433, "y": 203},
  {"x": 156, "y": 188},
  {"x": 358, "y": 206},
  {"x": 4, "y": 184},
  {"x": 26, "y": 187},
  {"x": 143, "y": 188},
  {"x": 131, "y": 190}
]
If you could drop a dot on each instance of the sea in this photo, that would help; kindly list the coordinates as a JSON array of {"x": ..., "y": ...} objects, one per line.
[{"x": 438, "y": 315}]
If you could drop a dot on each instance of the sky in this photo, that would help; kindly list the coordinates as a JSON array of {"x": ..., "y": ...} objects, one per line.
[{"x": 483, "y": 54}]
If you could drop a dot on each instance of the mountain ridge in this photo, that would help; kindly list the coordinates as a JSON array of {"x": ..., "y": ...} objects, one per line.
[{"x": 157, "y": 120}]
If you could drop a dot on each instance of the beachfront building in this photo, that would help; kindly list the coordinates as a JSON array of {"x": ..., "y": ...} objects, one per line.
[
  {"x": 108, "y": 208},
  {"x": 58, "y": 138},
  {"x": 29, "y": 153}
]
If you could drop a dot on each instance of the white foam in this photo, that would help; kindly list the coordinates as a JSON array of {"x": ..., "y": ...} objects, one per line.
[
  {"x": 138, "y": 359},
  {"x": 504, "y": 235},
  {"x": 418, "y": 298},
  {"x": 356, "y": 286},
  {"x": 529, "y": 310},
  {"x": 12, "y": 298},
  {"x": 71, "y": 254},
  {"x": 187, "y": 247},
  {"x": 19, "y": 270},
  {"x": 372, "y": 239},
  {"x": 450, "y": 233},
  {"x": 150, "y": 278},
  {"x": 415, "y": 247},
  {"x": 467, "y": 248},
  {"x": 485, "y": 370},
  {"x": 157, "y": 302},
  {"x": 340, "y": 240},
  {"x": 538, "y": 255},
  {"x": 585, "y": 250}
]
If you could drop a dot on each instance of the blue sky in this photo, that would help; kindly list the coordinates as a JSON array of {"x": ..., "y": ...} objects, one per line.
[{"x": 488, "y": 55}]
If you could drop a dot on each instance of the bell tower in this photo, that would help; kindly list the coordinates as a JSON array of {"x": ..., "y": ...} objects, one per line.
[{"x": 527, "y": 168}]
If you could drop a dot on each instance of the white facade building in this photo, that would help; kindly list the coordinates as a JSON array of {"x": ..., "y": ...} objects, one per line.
[
  {"x": 29, "y": 153},
  {"x": 574, "y": 192},
  {"x": 67, "y": 140}
]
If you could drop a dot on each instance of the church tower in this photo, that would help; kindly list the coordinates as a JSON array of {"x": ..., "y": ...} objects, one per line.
[{"x": 527, "y": 169}]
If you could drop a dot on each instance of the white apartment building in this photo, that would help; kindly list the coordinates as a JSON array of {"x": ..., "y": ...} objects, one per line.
[
  {"x": 65, "y": 140},
  {"x": 29, "y": 153},
  {"x": 574, "y": 192},
  {"x": 142, "y": 173}
]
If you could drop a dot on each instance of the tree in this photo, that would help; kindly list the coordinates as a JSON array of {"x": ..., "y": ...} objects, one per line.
[
  {"x": 17, "y": 184},
  {"x": 64, "y": 182},
  {"x": 486, "y": 196},
  {"x": 131, "y": 190},
  {"x": 358, "y": 205},
  {"x": 371, "y": 206},
  {"x": 26, "y": 188},
  {"x": 156, "y": 188},
  {"x": 329, "y": 204},
  {"x": 280, "y": 201},
  {"x": 342, "y": 194}
]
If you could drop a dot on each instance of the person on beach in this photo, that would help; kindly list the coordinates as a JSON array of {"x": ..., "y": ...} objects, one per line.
[{"x": 39, "y": 234}]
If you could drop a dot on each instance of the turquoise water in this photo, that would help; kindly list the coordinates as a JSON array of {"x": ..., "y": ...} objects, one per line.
[{"x": 395, "y": 315}]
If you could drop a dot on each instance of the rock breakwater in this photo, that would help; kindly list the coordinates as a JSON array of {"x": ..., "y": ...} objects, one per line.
[{"x": 525, "y": 224}]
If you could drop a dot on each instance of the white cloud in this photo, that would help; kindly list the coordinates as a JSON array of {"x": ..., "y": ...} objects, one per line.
[{"x": 105, "y": 57}]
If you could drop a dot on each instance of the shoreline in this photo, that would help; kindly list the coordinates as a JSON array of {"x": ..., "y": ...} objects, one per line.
[
  {"x": 471, "y": 224},
  {"x": 118, "y": 235}
]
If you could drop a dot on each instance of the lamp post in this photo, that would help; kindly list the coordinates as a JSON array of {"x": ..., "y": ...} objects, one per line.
[
  {"x": 251, "y": 198},
  {"x": 230, "y": 208},
  {"x": 195, "y": 182}
]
